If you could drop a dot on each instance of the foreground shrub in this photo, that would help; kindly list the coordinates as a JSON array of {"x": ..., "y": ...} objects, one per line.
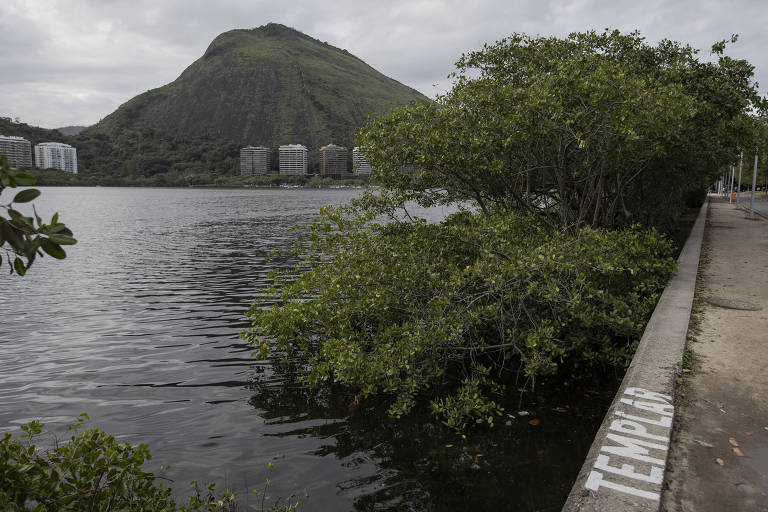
[
  {"x": 455, "y": 312},
  {"x": 92, "y": 471}
]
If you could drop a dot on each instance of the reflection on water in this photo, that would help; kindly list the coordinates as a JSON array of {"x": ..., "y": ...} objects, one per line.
[{"x": 139, "y": 328}]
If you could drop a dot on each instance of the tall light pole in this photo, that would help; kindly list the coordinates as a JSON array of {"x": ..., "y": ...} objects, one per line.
[
  {"x": 741, "y": 161},
  {"x": 730, "y": 192},
  {"x": 754, "y": 184}
]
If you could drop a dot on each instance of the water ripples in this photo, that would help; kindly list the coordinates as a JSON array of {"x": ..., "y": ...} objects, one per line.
[
  {"x": 139, "y": 328},
  {"x": 139, "y": 325}
]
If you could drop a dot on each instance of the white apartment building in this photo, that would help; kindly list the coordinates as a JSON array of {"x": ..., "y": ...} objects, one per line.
[
  {"x": 254, "y": 161},
  {"x": 56, "y": 155},
  {"x": 17, "y": 150},
  {"x": 293, "y": 160},
  {"x": 359, "y": 164}
]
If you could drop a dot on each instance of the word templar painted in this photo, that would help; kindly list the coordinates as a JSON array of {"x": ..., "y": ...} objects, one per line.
[{"x": 634, "y": 453}]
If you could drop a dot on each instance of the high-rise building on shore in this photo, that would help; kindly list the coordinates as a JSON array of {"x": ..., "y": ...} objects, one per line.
[
  {"x": 17, "y": 150},
  {"x": 360, "y": 164},
  {"x": 333, "y": 161},
  {"x": 254, "y": 161},
  {"x": 56, "y": 155},
  {"x": 293, "y": 160}
]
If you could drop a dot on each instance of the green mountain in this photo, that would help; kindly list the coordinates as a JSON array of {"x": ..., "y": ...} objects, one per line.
[
  {"x": 33, "y": 134},
  {"x": 266, "y": 86}
]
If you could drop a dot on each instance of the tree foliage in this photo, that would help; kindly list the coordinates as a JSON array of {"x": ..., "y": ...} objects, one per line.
[
  {"x": 590, "y": 130},
  {"x": 409, "y": 307},
  {"x": 555, "y": 149},
  {"x": 23, "y": 238},
  {"x": 93, "y": 471}
]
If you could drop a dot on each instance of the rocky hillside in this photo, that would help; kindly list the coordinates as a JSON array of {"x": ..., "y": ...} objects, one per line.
[{"x": 267, "y": 86}]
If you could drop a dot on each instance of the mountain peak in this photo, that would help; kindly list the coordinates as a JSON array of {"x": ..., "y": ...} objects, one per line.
[
  {"x": 266, "y": 86},
  {"x": 279, "y": 30}
]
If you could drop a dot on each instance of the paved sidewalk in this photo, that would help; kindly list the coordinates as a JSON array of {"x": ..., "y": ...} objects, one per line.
[{"x": 718, "y": 458}]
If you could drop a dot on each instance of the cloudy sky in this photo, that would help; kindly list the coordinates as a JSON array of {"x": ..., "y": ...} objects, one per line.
[{"x": 73, "y": 62}]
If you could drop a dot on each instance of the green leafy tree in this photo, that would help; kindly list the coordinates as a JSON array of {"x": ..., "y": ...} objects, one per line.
[
  {"x": 556, "y": 149},
  {"x": 589, "y": 130},
  {"x": 23, "y": 238}
]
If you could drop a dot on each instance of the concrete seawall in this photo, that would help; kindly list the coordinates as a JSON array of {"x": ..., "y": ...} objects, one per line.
[{"x": 625, "y": 467}]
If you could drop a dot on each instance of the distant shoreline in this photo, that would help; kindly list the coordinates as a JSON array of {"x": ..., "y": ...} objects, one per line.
[
  {"x": 213, "y": 186},
  {"x": 57, "y": 178}
]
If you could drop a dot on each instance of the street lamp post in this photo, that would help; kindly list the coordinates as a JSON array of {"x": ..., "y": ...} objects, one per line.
[
  {"x": 754, "y": 185},
  {"x": 730, "y": 191},
  {"x": 738, "y": 194}
]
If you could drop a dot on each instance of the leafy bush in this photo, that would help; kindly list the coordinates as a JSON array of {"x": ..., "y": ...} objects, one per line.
[
  {"x": 454, "y": 311},
  {"x": 92, "y": 471}
]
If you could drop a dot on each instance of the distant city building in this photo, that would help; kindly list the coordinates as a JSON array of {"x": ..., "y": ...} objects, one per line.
[
  {"x": 360, "y": 164},
  {"x": 56, "y": 155},
  {"x": 293, "y": 160},
  {"x": 17, "y": 150},
  {"x": 333, "y": 161},
  {"x": 254, "y": 161}
]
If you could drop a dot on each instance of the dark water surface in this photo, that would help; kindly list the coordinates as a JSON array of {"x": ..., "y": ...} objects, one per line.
[{"x": 139, "y": 327}]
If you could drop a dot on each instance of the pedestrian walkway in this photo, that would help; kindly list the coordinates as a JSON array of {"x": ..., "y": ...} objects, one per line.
[{"x": 718, "y": 458}]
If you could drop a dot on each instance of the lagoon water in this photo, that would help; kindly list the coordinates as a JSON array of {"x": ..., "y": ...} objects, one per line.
[{"x": 139, "y": 328}]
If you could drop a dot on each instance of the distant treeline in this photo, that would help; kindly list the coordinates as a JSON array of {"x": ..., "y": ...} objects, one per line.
[{"x": 55, "y": 177}]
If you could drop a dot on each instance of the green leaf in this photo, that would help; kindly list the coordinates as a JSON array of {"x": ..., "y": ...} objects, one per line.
[
  {"x": 18, "y": 264},
  {"x": 31, "y": 248},
  {"x": 38, "y": 220},
  {"x": 21, "y": 221},
  {"x": 53, "y": 249},
  {"x": 61, "y": 229},
  {"x": 26, "y": 196},
  {"x": 62, "y": 239},
  {"x": 12, "y": 235}
]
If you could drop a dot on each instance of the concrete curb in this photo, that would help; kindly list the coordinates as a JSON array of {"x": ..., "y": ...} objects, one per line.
[{"x": 625, "y": 467}]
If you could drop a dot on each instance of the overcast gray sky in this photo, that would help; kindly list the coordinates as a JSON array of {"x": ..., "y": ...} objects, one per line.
[{"x": 75, "y": 61}]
